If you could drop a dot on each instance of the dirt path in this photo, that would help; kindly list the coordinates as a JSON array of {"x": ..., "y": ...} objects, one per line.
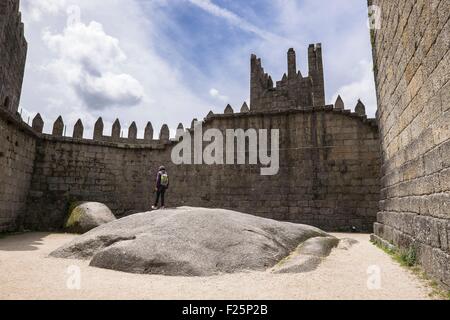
[{"x": 26, "y": 272}]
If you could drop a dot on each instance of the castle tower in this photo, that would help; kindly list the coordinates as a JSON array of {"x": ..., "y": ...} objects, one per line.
[
  {"x": 315, "y": 63},
  {"x": 13, "y": 51},
  {"x": 293, "y": 91},
  {"x": 256, "y": 88},
  {"x": 292, "y": 64}
]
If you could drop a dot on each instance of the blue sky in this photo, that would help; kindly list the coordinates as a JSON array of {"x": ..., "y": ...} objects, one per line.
[{"x": 169, "y": 61}]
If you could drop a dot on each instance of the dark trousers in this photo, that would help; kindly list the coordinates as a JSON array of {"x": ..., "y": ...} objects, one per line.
[{"x": 160, "y": 193}]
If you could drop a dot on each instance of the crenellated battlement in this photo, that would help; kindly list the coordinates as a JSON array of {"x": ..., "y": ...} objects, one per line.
[
  {"x": 338, "y": 108},
  {"x": 60, "y": 130},
  {"x": 293, "y": 91},
  {"x": 129, "y": 136},
  {"x": 326, "y": 148},
  {"x": 293, "y": 94}
]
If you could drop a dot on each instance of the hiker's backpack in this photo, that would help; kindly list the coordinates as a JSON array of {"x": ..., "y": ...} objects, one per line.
[{"x": 164, "y": 179}]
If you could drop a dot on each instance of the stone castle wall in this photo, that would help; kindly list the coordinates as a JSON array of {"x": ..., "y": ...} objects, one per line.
[
  {"x": 69, "y": 170},
  {"x": 329, "y": 172},
  {"x": 17, "y": 140},
  {"x": 17, "y": 153},
  {"x": 13, "y": 48},
  {"x": 328, "y": 177},
  {"x": 412, "y": 71}
]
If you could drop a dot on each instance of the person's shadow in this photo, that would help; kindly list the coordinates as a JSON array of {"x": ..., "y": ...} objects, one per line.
[{"x": 21, "y": 241}]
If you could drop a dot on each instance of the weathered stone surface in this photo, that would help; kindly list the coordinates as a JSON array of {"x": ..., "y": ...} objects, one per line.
[
  {"x": 164, "y": 134},
  {"x": 193, "y": 242},
  {"x": 13, "y": 49},
  {"x": 78, "y": 130},
  {"x": 360, "y": 108},
  {"x": 58, "y": 127},
  {"x": 17, "y": 156},
  {"x": 38, "y": 124},
  {"x": 148, "y": 134},
  {"x": 245, "y": 108},
  {"x": 17, "y": 141},
  {"x": 132, "y": 131},
  {"x": 308, "y": 255},
  {"x": 346, "y": 244},
  {"x": 98, "y": 129},
  {"x": 339, "y": 104},
  {"x": 229, "y": 110},
  {"x": 294, "y": 90},
  {"x": 85, "y": 216},
  {"x": 411, "y": 63},
  {"x": 116, "y": 130}
]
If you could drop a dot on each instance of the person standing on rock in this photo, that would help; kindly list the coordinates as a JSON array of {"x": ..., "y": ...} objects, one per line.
[{"x": 162, "y": 184}]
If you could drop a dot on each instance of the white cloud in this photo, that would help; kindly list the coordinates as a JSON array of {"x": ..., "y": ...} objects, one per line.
[
  {"x": 112, "y": 59},
  {"x": 36, "y": 9},
  {"x": 216, "y": 94},
  {"x": 300, "y": 23},
  {"x": 109, "y": 90},
  {"x": 129, "y": 53},
  {"x": 87, "y": 59},
  {"x": 344, "y": 41},
  {"x": 80, "y": 42},
  {"x": 233, "y": 18}
]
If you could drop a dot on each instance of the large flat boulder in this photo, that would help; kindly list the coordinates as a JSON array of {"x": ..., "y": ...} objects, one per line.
[
  {"x": 189, "y": 242},
  {"x": 85, "y": 216}
]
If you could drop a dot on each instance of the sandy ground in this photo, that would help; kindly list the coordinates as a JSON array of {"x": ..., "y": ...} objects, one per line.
[{"x": 26, "y": 272}]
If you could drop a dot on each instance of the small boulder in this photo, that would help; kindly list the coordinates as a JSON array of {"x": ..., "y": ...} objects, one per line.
[
  {"x": 85, "y": 216},
  {"x": 308, "y": 255}
]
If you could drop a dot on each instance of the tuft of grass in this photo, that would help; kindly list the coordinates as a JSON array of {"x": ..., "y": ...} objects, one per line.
[
  {"x": 436, "y": 290},
  {"x": 408, "y": 259}
]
